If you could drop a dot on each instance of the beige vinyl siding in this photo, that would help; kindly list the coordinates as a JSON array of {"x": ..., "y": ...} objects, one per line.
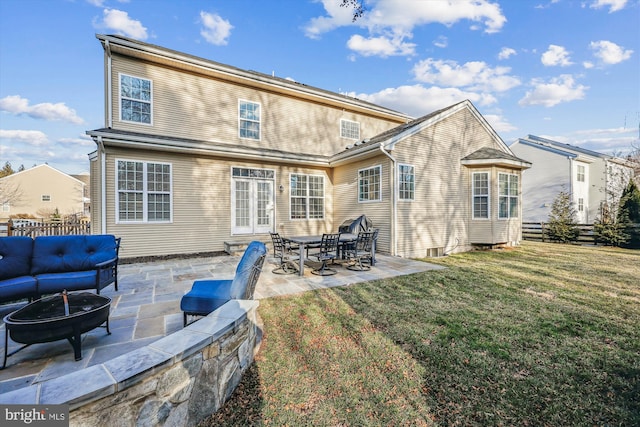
[
  {"x": 347, "y": 205},
  {"x": 440, "y": 215},
  {"x": 194, "y": 106},
  {"x": 201, "y": 195}
]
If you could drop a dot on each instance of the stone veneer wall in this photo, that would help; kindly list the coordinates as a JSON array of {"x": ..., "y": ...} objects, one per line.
[{"x": 178, "y": 380}]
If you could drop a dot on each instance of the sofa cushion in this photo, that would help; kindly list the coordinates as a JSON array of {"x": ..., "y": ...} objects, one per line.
[
  {"x": 18, "y": 288},
  {"x": 15, "y": 256},
  {"x": 58, "y": 254},
  {"x": 51, "y": 283}
]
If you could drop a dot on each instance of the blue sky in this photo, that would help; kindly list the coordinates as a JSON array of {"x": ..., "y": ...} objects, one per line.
[{"x": 562, "y": 69}]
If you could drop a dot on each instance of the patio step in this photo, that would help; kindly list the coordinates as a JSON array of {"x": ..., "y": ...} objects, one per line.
[{"x": 235, "y": 248}]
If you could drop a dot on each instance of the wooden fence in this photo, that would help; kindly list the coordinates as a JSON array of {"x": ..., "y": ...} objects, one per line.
[
  {"x": 538, "y": 231},
  {"x": 34, "y": 229}
]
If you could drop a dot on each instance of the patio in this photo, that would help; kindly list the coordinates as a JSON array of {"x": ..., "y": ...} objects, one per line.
[{"x": 146, "y": 308}]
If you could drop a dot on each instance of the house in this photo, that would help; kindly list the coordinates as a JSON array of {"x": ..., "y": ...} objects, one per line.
[
  {"x": 41, "y": 191},
  {"x": 195, "y": 153},
  {"x": 592, "y": 179}
]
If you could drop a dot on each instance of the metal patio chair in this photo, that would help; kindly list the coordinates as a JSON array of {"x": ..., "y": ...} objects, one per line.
[
  {"x": 360, "y": 255},
  {"x": 327, "y": 251},
  {"x": 286, "y": 255}
]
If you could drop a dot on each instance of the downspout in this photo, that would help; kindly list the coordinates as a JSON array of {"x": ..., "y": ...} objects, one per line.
[
  {"x": 107, "y": 49},
  {"x": 394, "y": 201},
  {"x": 103, "y": 186}
]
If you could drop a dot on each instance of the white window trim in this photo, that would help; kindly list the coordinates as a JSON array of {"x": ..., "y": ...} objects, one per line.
[
  {"x": 413, "y": 197},
  {"x": 133, "y": 99},
  {"x": 240, "y": 119},
  {"x": 379, "y": 199},
  {"x": 145, "y": 193},
  {"x": 349, "y": 137},
  {"x": 307, "y": 197},
  {"x": 509, "y": 196},
  {"x": 473, "y": 212}
]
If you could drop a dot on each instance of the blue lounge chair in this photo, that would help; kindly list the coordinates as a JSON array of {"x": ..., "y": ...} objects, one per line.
[{"x": 207, "y": 295}]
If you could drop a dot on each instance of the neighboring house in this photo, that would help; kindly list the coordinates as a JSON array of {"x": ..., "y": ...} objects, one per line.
[
  {"x": 195, "y": 153},
  {"x": 42, "y": 190},
  {"x": 590, "y": 177}
]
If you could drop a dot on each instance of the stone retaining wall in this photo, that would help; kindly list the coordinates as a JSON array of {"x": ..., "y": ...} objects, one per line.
[{"x": 178, "y": 380}]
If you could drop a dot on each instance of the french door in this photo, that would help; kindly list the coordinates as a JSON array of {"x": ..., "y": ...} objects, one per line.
[{"x": 252, "y": 206}]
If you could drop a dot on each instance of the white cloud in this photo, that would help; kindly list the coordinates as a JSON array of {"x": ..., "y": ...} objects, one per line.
[
  {"x": 380, "y": 46},
  {"x": 418, "y": 100},
  {"x": 474, "y": 75},
  {"x": 499, "y": 123},
  {"x": 17, "y": 105},
  {"x": 216, "y": 29},
  {"x": 556, "y": 56},
  {"x": 557, "y": 90},
  {"x": 119, "y": 21},
  {"x": 609, "y": 53},
  {"x": 30, "y": 137},
  {"x": 441, "y": 42},
  {"x": 84, "y": 140},
  {"x": 400, "y": 17},
  {"x": 506, "y": 52},
  {"x": 613, "y": 5}
]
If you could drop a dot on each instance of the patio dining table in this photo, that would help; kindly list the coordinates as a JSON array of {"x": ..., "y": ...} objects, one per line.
[{"x": 314, "y": 240}]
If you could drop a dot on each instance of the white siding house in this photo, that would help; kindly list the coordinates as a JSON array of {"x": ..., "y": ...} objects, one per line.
[{"x": 591, "y": 178}]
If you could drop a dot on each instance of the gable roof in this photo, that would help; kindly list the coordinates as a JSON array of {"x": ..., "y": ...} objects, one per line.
[
  {"x": 389, "y": 138},
  {"x": 41, "y": 168}
]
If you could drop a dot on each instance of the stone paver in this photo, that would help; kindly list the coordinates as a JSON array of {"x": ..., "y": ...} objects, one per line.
[{"x": 146, "y": 308}]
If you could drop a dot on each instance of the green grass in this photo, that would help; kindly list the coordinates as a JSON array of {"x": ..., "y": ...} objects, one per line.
[{"x": 541, "y": 335}]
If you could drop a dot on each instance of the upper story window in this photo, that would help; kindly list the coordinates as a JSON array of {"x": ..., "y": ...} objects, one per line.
[
  {"x": 369, "y": 184},
  {"x": 581, "y": 173},
  {"x": 6, "y": 207},
  {"x": 480, "y": 191},
  {"x": 143, "y": 191},
  {"x": 46, "y": 198},
  {"x": 406, "y": 182},
  {"x": 135, "y": 99},
  {"x": 349, "y": 129},
  {"x": 307, "y": 196},
  {"x": 508, "y": 196},
  {"x": 249, "y": 119}
]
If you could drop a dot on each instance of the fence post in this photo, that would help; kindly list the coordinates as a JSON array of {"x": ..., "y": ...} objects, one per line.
[
  {"x": 9, "y": 226},
  {"x": 542, "y": 230}
]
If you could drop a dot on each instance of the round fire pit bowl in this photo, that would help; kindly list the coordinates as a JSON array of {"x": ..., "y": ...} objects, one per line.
[{"x": 49, "y": 319}]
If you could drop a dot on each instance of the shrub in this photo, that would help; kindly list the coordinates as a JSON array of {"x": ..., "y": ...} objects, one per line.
[{"x": 562, "y": 225}]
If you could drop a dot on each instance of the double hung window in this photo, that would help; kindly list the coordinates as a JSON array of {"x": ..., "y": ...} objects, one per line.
[
  {"x": 406, "y": 182},
  {"x": 143, "y": 191},
  {"x": 249, "y": 119},
  {"x": 508, "y": 195},
  {"x": 369, "y": 184},
  {"x": 580, "y": 173},
  {"x": 307, "y": 196},
  {"x": 480, "y": 184},
  {"x": 135, "y": 99}
]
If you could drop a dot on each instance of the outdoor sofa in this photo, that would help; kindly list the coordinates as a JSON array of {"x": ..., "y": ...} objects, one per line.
[{"x": 32, "y": 267}]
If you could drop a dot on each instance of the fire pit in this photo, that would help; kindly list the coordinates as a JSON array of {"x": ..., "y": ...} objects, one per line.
[{"x": 55, "y": 318}]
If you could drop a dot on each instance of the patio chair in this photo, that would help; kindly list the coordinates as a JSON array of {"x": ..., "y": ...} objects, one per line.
[
  {"x": 207, "y": 295},
  {"x": 326, "y": 252},
  {"x": 286, "y": 255},
  {"x": 360, "y": 255}
]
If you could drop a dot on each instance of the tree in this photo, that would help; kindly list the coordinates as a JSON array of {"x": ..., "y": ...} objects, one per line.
[
  {"x": 562, "y": 224},
  {"x": 6, "y": 170},
  {"x": 629, "y": 215},
  {"x": 610, "y": 227},
  {"x": 357, "y": 5}
]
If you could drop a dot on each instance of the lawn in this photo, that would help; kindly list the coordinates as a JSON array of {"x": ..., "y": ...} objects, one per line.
[{"x": 540, "y": 335}]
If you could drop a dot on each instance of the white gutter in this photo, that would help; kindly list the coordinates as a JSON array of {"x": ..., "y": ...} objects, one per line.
[
  {"x": 107, "y": 49},
  {"x": 394, "y": 202},
  {"x": 103, "y": 186}
]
